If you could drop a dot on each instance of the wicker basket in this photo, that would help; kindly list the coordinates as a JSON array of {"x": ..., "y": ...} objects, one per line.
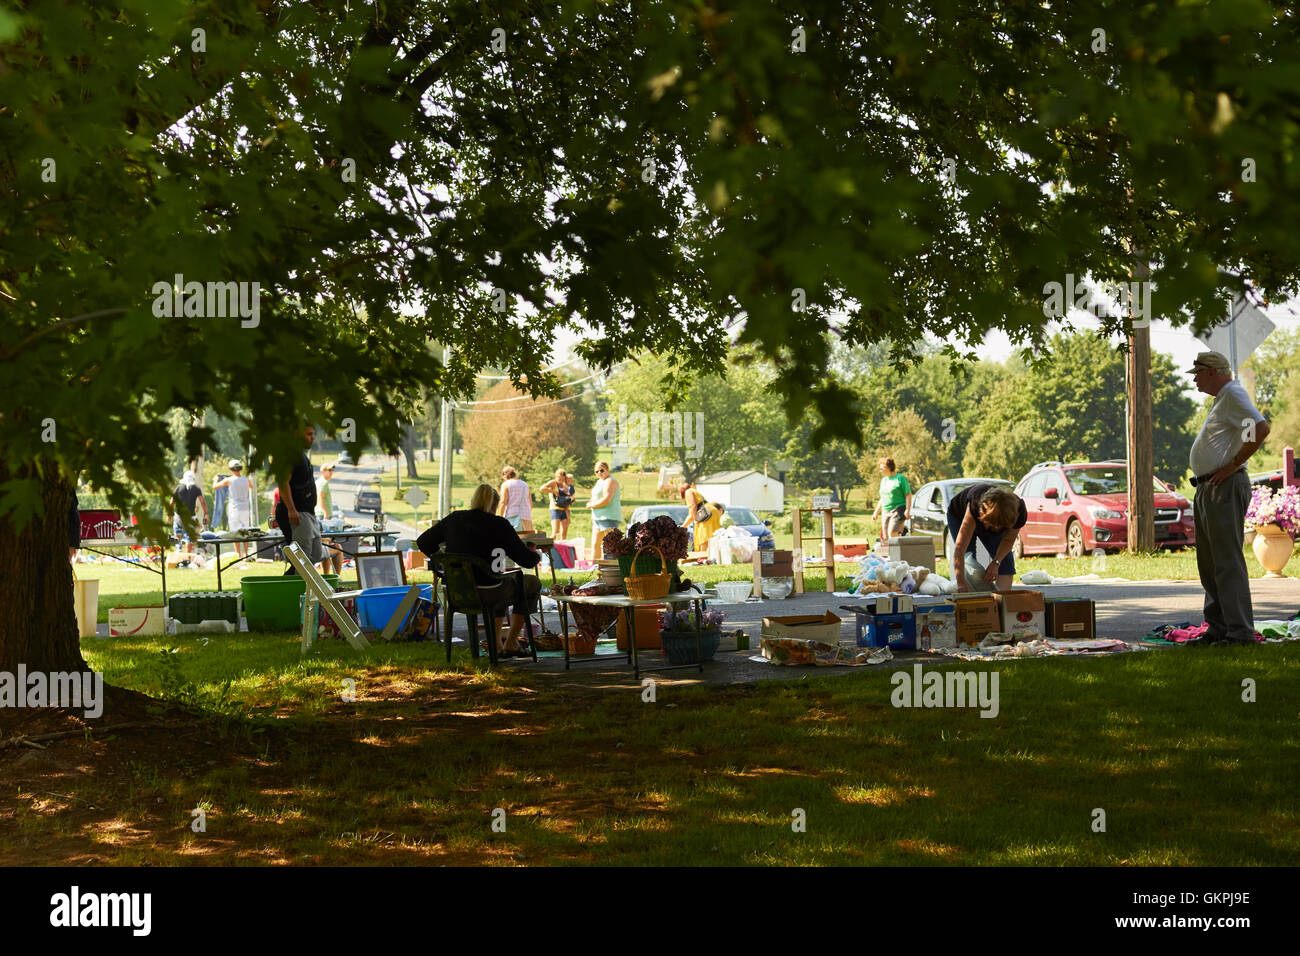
[
  {"x": 548, "y": 641},
  {"x": 580, "y": 645},
  {"x": 643, "y": 587}
]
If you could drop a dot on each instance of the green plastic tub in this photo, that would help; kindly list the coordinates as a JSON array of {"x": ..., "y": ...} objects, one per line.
[{"x": 271, "y": 600}]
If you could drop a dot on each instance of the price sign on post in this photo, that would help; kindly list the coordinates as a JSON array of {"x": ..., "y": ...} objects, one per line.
[{"x": 415, "y": 497}]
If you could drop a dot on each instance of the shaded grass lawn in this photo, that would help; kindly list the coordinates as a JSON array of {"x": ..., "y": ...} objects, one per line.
[{"x": 412, "y": 771}]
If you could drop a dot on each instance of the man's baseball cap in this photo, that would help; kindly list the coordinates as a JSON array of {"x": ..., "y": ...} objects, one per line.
[
  {"x": 234, "y": 464},
  {"x": 1215, "y": 360}
]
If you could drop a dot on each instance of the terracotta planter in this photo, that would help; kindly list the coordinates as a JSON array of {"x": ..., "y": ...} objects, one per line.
[
  {"x": 1248, "y": 537},
  {"x": 1273, "y": 548}
]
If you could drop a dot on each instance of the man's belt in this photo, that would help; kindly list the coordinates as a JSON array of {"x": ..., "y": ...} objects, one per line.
[{"x": 1201, "y": 479}]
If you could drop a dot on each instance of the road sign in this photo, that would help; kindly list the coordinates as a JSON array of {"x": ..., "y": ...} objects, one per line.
[
  {"x": 415, "y": 497},
  {"x": 1243, "y": 332}
]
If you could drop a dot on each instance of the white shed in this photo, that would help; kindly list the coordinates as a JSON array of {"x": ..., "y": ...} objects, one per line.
[{"x": 744, "y": 489}]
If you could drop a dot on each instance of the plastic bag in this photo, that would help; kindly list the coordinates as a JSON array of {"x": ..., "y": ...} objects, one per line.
[{"x": 1036, "y": 576}]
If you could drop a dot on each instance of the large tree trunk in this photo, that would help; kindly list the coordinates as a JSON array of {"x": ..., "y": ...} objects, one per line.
[
  {"x": 38, "y": 625},
  {"x": 408, "y": 450}
]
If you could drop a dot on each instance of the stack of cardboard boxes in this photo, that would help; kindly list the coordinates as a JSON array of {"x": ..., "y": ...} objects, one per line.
[{"x": 915, "y": 621}]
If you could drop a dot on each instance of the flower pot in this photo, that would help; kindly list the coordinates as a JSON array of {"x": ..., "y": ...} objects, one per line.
[
  {"x": 1273, "y": 548},
  {"x": 679, "y": 646},
  {"x": 1249, "y": 537}
]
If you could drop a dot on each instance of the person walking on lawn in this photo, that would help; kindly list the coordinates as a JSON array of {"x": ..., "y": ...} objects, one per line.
[
  {"x": 1233, "y": 431},
  {"x": 186, "y": 499},
  {"x": 895, "y": 502}
]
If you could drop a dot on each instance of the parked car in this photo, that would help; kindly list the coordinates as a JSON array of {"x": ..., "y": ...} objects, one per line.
[
  {"x": 741, "y": 517},
  {"x": 369, "y": 501},
  {"x": 1273, "y": 479},
  {"x": 1083, "y": 506},
  {"x": 930, "y": 509}
]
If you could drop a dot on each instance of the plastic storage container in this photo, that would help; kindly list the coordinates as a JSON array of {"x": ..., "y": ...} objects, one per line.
[
  {"x": 376, "y": 605},
  {"x": 271, "y": 600},
  {"x": 195, "y": 606}
]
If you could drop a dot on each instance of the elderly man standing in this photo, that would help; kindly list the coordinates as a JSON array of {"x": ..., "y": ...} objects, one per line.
[{"x": 1233, "y": 431}]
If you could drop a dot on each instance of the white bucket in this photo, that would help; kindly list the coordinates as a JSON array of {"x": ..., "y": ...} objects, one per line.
[{"x": 85, "y": 598}]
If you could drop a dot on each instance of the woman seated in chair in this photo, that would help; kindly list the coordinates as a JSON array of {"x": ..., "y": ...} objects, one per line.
[{"x": 481, "y": 532}]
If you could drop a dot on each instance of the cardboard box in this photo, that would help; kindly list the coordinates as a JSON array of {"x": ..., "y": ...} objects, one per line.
[
  {"x": 941, "y": 621},
  {"x": 1022, "y": 610},
  {"x": 130, "y": 621},
  {"x": 915, "y": 549},
  {"x": 1072, "y": 618},
  {"x": 775, "y": 564},
  {"x": 890, "y": 603},
  {"x": 807, "y": 627},
  {"x": 895, "y": 631},
  {"x": 977, "y": 614}
]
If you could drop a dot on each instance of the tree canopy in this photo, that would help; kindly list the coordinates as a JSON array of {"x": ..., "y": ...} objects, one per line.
[{"x": 270, "y": 207}]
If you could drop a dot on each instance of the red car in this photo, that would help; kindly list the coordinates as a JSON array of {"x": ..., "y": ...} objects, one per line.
[{"x": 1082, "y": 507}]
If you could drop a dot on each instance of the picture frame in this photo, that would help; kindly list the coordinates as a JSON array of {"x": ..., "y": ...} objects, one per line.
[{"x": 380, "y": 569}]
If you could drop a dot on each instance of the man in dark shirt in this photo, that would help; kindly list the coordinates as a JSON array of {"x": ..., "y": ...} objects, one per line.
[
  {"x": 295, "y": 514},
  {"x": 186, "y": 498},
  {"x": 993, "y": 516},
  {"x": 480, "y": 532}
]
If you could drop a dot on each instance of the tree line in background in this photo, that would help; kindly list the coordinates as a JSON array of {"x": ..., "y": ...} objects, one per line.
[
  {"x": 936, "y": 420},
  {"x": 986, "y": 419}
]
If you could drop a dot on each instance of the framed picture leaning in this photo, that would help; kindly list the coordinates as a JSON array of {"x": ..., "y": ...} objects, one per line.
[{"x": 382, "y": 569}]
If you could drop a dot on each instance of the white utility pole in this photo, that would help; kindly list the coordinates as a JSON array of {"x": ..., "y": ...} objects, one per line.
[{"x": 444, "y": 451}]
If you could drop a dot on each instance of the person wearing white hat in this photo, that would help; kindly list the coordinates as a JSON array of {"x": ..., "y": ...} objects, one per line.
[
  {"x": 239, "y": 504},
  {"x": 1233, "y": 431},
  {"x": 186, "y": 496}
]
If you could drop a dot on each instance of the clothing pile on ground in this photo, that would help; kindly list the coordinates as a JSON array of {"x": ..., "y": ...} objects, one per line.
[{"x": 1266, "y": 632}]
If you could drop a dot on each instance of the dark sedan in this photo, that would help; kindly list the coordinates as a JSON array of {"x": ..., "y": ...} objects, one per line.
[{"x": 930, "y": 509}]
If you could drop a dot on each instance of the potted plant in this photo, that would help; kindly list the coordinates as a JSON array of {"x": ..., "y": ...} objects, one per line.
[
  {"x": 1276, "y": 520},
  {"x": 677, "y": 636},
  {"x": 661, "y": 532}
]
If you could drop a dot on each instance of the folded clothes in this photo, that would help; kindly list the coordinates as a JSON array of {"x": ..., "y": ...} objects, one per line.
[
  {"x": 1161, "y": 633},
  {"x": 1182, "y": 635}
]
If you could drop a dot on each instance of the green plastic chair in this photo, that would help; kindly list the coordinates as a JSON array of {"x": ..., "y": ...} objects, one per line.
[{"x": 464, "y": 595}]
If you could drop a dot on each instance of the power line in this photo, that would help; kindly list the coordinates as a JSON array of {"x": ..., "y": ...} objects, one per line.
[{"x": 520, "y": 408}]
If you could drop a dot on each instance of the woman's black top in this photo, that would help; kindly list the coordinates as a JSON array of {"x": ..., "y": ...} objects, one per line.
[{"x": 480, "y": 534}]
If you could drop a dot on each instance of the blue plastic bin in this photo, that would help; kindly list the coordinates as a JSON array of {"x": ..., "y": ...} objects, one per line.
[{"x": 376, "y": 605}]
